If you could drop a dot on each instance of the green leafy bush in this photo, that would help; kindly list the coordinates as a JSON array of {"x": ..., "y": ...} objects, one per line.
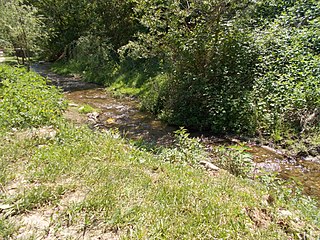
[
  {"x": 243, "y": 67},
  {"x": 287, "y": 88},
  {"x": 208, "y": 63},
  {"x": 92, "y": 57},
  {"x": 26, "y": 100},
  {"x": 234, "y": 159},
  {"x": 153, "y": 98}
]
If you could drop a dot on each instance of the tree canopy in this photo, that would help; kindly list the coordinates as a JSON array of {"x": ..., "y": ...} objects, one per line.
[{"x": 21, "y": 27}]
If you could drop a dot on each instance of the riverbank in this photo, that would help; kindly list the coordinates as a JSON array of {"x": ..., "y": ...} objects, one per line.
[
  {"x": 83, "y": 183},
  {"x": 122, "y": 111},
  {"x": 67, "y": 181}
]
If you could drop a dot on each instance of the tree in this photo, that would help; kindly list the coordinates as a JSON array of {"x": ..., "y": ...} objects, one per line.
[
  {"x": 20, "y": 28},
  {"x": 209, "y": 59},
  {"x": 67, "y": 21}
]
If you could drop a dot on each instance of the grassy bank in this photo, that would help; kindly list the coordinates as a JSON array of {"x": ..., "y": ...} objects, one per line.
[
  {"x": 89, "y": 183},
  {"x": 62, "y": 181}
]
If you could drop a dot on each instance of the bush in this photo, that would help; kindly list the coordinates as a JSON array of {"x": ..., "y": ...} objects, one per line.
[
  {"x": 234, "y": 159},
  {"x": 94, "y": 59},
  {"x": 208, "y": 62},
  {"x": 287, "y": 88},
  {"x": 217, "y": 97},
  {"x": 26, "y": 100},
  {"x": 187, "y": 151}
]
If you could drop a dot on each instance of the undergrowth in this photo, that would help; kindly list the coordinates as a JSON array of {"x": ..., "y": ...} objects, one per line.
[{"x": 27, "y": 100}]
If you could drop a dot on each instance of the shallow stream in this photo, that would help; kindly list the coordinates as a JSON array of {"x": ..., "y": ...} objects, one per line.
[{"x": 124, "y": 113}]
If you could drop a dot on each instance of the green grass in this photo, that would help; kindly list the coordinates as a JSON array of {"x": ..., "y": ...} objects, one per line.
[
  {"x": 66, "y": 68},
  {"x": 87, "y": 109},
  {"x": 129, "y": 78},
  {"x": 7, "y": 228},
  {"x": 119, "y": 88},
  {"x": 132, "y": 190}
]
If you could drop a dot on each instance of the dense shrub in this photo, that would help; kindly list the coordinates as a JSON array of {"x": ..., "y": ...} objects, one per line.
[
  {"x": 209, "y": 62},
  {"x": 94, "y": 58},
  {"x": 68, "y": 20},
  {"x": 287, "y": 89},
  {"x": 244, "y": 67},
  {"x": 26, "y": 100}
]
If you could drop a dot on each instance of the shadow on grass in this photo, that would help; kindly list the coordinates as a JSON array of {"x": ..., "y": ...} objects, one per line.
[{"x": 129, "y": 75}]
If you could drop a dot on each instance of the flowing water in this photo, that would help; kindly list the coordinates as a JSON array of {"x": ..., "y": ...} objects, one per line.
[{"x": 125, "y": 115}]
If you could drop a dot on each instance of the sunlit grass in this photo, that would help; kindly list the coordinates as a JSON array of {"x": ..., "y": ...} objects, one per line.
[
  {"x": 87, "y": 109},
  {"x": 131, "y": 190}
]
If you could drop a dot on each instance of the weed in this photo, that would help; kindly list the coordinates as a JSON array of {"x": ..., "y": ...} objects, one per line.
[
  {"x": 187, "y": 151},
  {"x": 7, "y": 229},
  {"x": 26, "y": 99},
  {"x": 234, "y": 159},
  {"x": 35, "y": 198},
  {"x": 87, "y": 109}
]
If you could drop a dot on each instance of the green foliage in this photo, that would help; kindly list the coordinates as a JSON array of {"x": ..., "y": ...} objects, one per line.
[
  {"x": 234, "y": 159},
  {"x": 7, "y": 229},
  {"x": 113, "y": 20},
  {"x": 20, "y": 27},
  {"x": 26, "y": 99},
  {"x": 153, "y": 98},
  {"x": 287, "y": 89},
  {"x": 87, "y": 109},
  {"x": 67, "y": 21},
  {"x": 37, "y": 197},
  {"x": 249, "y": 67},
  {"x": 263, "y": 12},
  {"x": 92, "y": 58},
  {"x": 186, "y": 151},
  {"x": 208, "y": 58}
]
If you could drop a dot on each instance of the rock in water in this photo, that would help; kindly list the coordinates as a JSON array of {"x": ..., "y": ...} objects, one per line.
[{"x": 93, "y": 117}]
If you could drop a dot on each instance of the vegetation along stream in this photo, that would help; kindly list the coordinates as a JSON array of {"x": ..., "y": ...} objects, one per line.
[
  {"x": 123, "y": 113},
  {"x": 176, "y": 119}
]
